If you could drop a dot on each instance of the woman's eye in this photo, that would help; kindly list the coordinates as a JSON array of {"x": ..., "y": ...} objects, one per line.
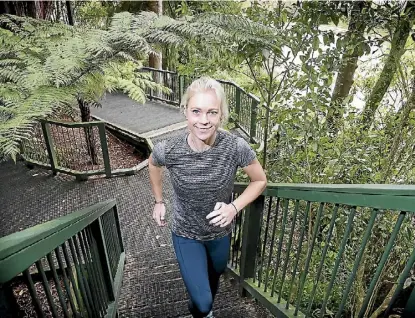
[
  {"x": 195, "y": 111},
  {"x": 214, "y": 113}
]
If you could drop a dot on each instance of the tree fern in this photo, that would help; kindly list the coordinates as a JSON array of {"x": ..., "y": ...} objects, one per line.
[{"x": 48, "y": 66}]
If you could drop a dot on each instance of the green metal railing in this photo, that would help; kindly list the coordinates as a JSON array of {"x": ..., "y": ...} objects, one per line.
[
  {"x": 68, "y": 267},
  {"x": 75, "y": 148},
  {"x": 305, "y": 250},
  {"x": 245, "y": 106}
]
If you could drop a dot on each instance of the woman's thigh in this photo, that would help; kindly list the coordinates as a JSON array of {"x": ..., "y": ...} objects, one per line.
[
  {"x": 218, "y": 251},
  {"x": 192, "y": 258}
]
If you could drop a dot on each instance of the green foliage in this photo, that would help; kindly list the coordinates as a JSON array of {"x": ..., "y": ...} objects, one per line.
[
  {"x": 290, "y": 60},
  {"x": 93, "y": 13},
  {"x": 50, "y": 66}
]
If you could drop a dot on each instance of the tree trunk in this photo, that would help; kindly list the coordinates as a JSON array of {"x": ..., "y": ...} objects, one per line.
[
  {"x": 20, "y": 8},
  {"x": 155, "y": 61},
  {"x": 41, "y": 10},
  {"x": 89, "y": 132},
  {"x": 399, "y": 132},
  {"x": 5, "y": 8},
  {"x": 399, "y": 39},
  {"x": 344, "y": 80},
  {"x": 69, "y": 13}
]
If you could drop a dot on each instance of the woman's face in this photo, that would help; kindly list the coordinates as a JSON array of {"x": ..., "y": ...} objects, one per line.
[{"x": 203, "y": 114}]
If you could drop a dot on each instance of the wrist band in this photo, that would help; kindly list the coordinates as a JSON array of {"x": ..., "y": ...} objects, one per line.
[
  {"x": 158, "y": 202},
  {"x": 234, "y": 207}
]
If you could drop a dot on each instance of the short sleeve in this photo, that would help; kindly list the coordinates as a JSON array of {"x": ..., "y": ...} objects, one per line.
[
  {"x": 245, "y": 153},
  {"x": 158, "y": 154}
]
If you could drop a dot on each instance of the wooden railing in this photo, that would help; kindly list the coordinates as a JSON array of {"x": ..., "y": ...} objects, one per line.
[
  {"x": 79, "y": 149},
  {"x": 327, "y": 250},
  {"x": 244, "y": 106},
  {"x": 68, "y": 267}
]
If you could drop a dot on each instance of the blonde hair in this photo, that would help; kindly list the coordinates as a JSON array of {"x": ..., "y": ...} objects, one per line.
[{"x": 204, "y": 84}]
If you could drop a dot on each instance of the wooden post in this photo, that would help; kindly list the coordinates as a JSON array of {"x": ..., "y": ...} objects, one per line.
[
  {"x": 181, "y": 88},
  {"x": 254, "y": 119},
  {"x": 409, "y": 310},
  {"x": 49, "y": 146},
  {"x": 250, "y": 239},
  {"x": 104, "y": 147},
  {"x": 238, "y": 103}
]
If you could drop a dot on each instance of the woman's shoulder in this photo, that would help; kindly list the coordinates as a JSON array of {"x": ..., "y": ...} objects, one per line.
[
  {"x": 228, "y": 136},
  {"x": 174, "y": 141}
]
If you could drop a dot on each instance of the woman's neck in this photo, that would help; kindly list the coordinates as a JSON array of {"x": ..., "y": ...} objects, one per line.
[{"x": 201, "y": 145}]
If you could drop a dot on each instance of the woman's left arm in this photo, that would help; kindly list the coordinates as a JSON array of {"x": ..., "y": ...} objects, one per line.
[
  {"x": 223, "y": 214},
  {"x": 257, "y": 185}
]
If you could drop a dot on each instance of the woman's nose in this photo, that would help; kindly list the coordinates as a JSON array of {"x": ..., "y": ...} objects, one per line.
[{"x": 204, "y": 119}]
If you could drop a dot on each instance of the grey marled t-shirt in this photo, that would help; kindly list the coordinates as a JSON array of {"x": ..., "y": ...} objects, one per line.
[{"x": 200, "y": 179}]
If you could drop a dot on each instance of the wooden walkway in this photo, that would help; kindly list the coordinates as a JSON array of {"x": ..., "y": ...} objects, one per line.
[{"x": 152, "y": 286}]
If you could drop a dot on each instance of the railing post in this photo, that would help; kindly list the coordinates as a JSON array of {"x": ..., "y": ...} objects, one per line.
[
  {"x": 104, "y": 148},
  {"x": 151, "y": 90},
  {"x": 250, "y": 239},
  {"x": 409, "y": 310},
  {"x": 165, "y": 83},
  {"x": 49, "y": 146},
  {"x": 238, "y": 103},
  {"x": 98, "y": 234},
  {"x": 264, "y": 161},
  {"x": 254, "y": 119},
  {"x": 181, "y": 88}
]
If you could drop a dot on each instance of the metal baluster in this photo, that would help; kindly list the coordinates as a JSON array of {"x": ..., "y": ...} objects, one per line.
[
  {"x": 91, "y": 274},
  {"x": 80, "y": 281},
  {"x": 33, "y": 293},
  {"x": 46, "y": 288},
  {"x": 284, "y": 270},
  {"x": 300, "y": 247},
  {"x": 357, "y": 261},
  {"x": 277, "y": 264},
  {"x": 310, "y": 253},
  {"x": 57, "y": 283},
  {"x": 97, "y": 263},
  {"x": 66, "y": 282},
  {"x": 382, "y": 262},
  {"x": 272, "y": 244},
  {"x": 265, "y": 240},
  {"x": 338, "y": 259},
  {"x": 323, "y": 257}
]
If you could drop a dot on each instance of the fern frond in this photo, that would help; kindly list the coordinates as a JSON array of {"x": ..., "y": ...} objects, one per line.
[
  {"x": 120, "y": 22},
  {"x": 10, "y": 62},
  {"x": 165, "y": 37},
  {"x": 134, "y": 92},
  {"x": 235, "y": 23},
  {"x": 10, "y": 92},
  {"x": 10, "y": 73}
]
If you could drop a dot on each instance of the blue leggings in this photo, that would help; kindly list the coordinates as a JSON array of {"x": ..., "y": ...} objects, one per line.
[{"x": 201, "y": 264}]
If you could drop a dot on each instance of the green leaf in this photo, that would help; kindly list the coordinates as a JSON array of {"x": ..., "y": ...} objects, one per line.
[
  {"x": 284, "y": 16},
  {"x": 335, "y": 19},
  {"x": 316, "y": 43}
]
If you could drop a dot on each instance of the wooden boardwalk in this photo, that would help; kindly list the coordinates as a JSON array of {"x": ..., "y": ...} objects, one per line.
[{"x": 152, "y": 286}]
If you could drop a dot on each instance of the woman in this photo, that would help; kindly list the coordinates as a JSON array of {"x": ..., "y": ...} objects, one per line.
[{"x": 202, "y": 163}]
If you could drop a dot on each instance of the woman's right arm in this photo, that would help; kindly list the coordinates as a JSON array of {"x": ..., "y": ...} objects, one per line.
[{"x": 159, "y": 210}]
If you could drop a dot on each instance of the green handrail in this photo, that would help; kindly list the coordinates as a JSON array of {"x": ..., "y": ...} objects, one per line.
[
  {"x": 318, "y": 239},
  {"x": 65, "y": 154},
  {"x": 83, "y": 250}
]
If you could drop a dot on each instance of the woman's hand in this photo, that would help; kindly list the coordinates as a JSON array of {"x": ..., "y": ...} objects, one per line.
[
  {"x": 222, "y": 215},
  {"x": 159, "y": 213}
]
